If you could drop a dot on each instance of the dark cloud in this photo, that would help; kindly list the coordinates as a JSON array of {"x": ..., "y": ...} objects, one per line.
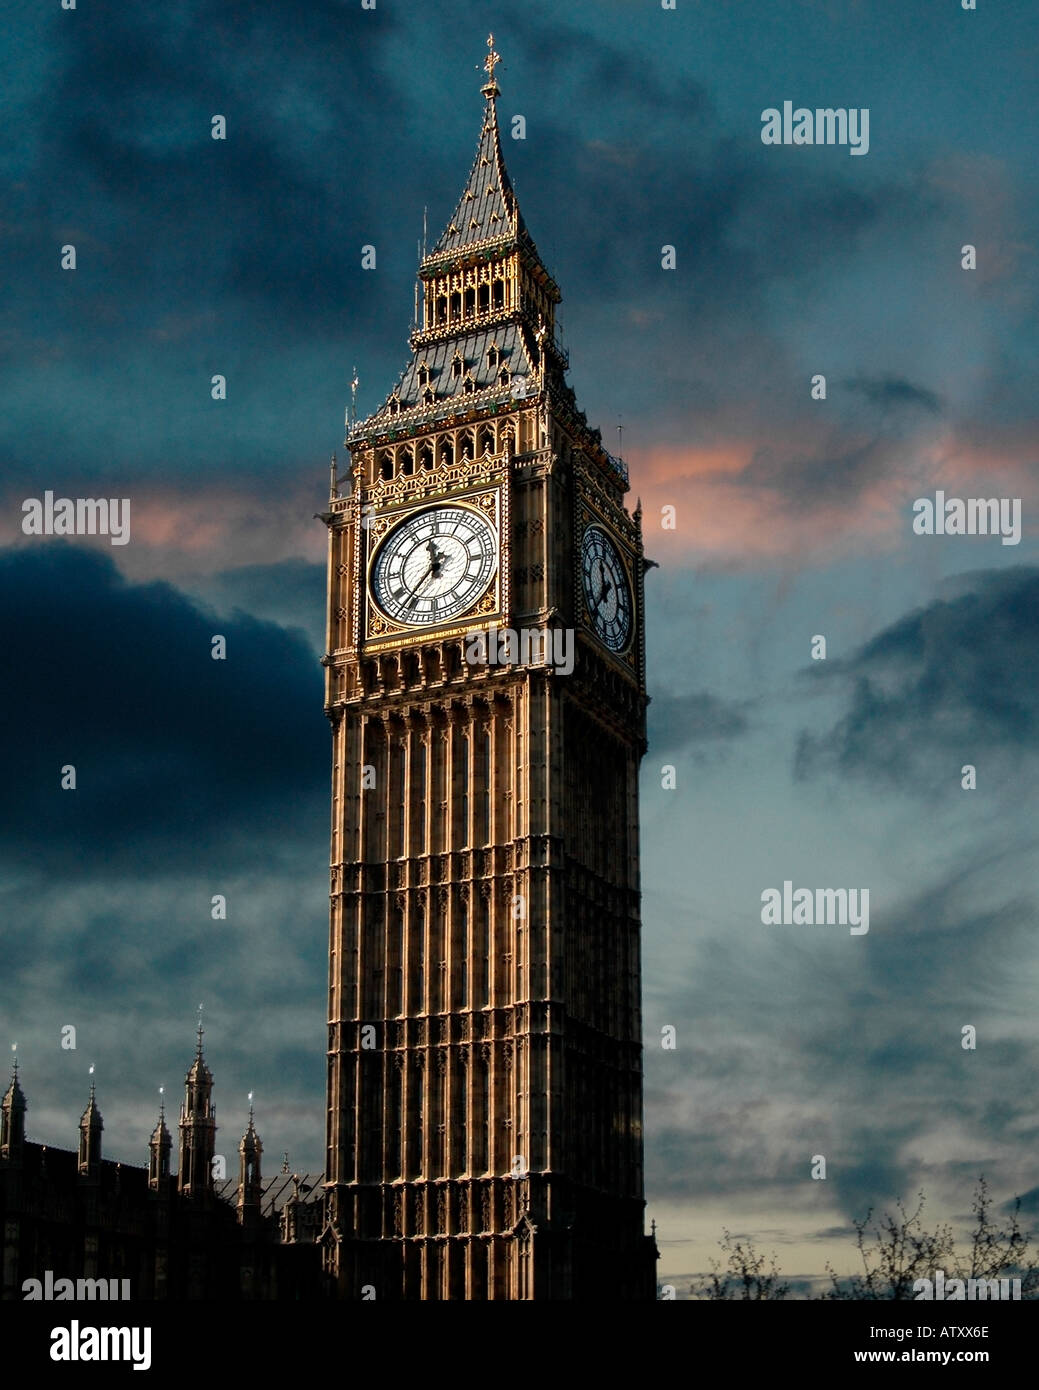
[
  {"x": 243, "y": 256},
  {"x": 699, "y": 718},
  {"x": 822, "y": 479},
  {"x": 179, "y": 758},
  {"x": 892, "y": 391},
  {"x": 290, "y": 593},
  {"x": 959, "y": 678}
]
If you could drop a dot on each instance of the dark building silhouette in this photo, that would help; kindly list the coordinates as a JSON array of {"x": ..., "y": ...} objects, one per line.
[{"x": 83, "y": 1226}]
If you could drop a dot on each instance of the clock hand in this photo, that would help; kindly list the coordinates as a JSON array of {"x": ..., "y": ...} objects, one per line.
[
  {"x": 606, "y": 586},
  {"x": 598, "y": 598},
  {"x": 415, "y": 592}
]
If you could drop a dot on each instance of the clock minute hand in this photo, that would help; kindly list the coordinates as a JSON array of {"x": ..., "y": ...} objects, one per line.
[
  {"x": 606, "y": 586},
  {"x": 415, "y": 592}
]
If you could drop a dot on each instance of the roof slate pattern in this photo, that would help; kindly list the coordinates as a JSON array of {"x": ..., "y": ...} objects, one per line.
[
  {"x": 453, "y": 363},
  {"x": 487, "y": 208}
]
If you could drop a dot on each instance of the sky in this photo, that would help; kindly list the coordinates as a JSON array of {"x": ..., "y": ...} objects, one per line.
[{"x": 792, "y": 520}]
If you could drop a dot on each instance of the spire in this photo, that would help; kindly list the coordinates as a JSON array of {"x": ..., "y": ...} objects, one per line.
[
  {"x": 250, "y": 1181},
  {"x": 90, "y": 1127},
  {"x": 250, "y": 1139},
  {"x": 12, "y": 1114},
  {"x": 199, "y": 1072},
  {"x": 487, "y": 210},
  {"x": 197, "y": 1127},
  {"x": 159, "y": 1147},
  {"x": 486, "y": 324}
]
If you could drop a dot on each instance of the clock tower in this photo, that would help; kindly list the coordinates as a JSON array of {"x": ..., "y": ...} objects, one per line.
[{"x": 486, "y": 691}]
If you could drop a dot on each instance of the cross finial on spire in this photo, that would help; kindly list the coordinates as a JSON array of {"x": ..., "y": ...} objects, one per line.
[
  {"x": 489, "y": 64},
  {"x": 14, "y": 1062},
  {"x": 200, "y": 1031}
]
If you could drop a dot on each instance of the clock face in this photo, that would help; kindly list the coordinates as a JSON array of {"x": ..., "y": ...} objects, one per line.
[
  {"x": 606, "y": 589},
  {"x": 434, "y": 565}
]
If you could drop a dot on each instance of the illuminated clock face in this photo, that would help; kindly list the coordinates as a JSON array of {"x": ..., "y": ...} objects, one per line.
[
  {"x": 606, "y": 590},
  {"x": 434, "y": 566}
]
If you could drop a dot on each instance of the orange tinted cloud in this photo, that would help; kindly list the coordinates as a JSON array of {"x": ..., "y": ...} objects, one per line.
[
  {"x": 730, "y": 511},
  {"x": 175, "y": 534}
]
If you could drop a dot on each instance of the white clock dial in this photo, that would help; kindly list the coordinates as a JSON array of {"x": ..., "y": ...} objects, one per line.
[
  {"x": 607, "y": 593},
  {"x": 434, "y": 565}
]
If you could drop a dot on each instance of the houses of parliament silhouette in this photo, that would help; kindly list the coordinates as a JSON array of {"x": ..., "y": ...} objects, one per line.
[{"x": 484, "y": 1087}]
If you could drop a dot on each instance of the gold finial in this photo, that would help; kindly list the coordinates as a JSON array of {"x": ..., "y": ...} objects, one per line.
[{"x": 489, "y": 64}]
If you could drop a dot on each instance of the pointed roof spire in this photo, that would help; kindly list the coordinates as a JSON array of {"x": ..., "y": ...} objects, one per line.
[
  {"x": 250, "y": 1139},
  {"x": 92, "y": 1115},
  {"x": 487, "y": 210},
  {"x": 198, "y": 1071},
  {"x": 160, "y": 1134},
  {"x": 14, "y": 1097}
]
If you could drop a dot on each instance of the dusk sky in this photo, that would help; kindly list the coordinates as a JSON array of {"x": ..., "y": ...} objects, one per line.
[{"x": 794, "y": 519}]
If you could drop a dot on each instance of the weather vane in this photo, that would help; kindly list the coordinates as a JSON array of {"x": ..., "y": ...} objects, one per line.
[{"x": 491, "y": 61}]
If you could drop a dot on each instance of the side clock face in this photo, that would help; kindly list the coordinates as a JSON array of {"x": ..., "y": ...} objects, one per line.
[
  {"x": 434, "y": 566},
  {"x": 606, "y": 589}
]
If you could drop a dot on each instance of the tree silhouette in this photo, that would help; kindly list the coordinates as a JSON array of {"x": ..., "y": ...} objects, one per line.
[
  {"x": 896, "y": 1250},
  {"x": 743, "y": 1275}
]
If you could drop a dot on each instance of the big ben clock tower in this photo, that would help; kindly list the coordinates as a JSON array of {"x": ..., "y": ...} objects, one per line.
[{"x": 484, "y": 1125}]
